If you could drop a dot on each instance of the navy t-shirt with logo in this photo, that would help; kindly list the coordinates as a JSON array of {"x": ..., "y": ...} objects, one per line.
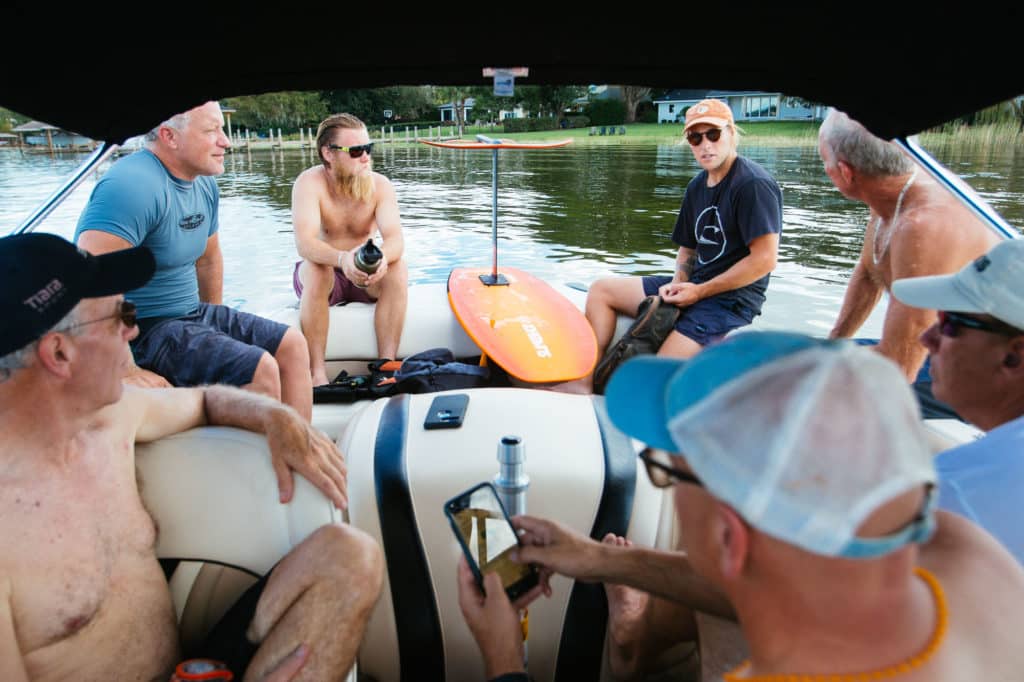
[
  {"x": 720, "y": 222},
  {"x": 139, "y": 201}
]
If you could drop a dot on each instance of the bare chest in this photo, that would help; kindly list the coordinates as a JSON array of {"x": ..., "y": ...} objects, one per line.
[
  {"x": 74, "y": 548},
  {"x": 346, "y": 223}
]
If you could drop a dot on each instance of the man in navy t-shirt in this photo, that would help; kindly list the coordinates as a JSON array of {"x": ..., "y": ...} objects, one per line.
[{"x": 728, "y": 235}]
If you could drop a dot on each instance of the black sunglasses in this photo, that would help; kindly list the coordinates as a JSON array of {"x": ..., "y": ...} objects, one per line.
[
  {"x": 695, "y": 138},
  {"x": 354, "y": 151},
  {"x": 126, "y": 311},
  {"x": 661, "y": 473},
  {"x": 950, "y": 324}
]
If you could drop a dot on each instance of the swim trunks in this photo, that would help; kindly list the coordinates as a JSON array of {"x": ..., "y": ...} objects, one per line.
[
  {"x": 215, "y": 344},
  {"x": 344, "y": 290}
]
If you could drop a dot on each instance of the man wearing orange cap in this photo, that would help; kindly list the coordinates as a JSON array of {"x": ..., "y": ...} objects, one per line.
[{"x": 728, "y": 235}]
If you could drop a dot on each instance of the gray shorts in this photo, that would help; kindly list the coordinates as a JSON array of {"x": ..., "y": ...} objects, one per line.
[
  {"x": 214, "y": 345},
  {"x": 709, "y": 319}
]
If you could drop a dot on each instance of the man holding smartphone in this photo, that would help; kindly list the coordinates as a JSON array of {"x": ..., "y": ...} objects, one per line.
[{"x": 815, "y": 525}]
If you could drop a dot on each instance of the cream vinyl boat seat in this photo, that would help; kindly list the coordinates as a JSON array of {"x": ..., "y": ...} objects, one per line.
[{"x": 214, "y": 497}]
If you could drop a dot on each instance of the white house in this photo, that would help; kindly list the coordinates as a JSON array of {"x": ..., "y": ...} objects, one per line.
[
  {"x": 448, "y": 111},
  {"x": 746, "y": 106}
]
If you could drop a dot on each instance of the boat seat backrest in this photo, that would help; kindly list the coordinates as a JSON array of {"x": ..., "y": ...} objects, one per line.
[{"x": 214, "y": 497}]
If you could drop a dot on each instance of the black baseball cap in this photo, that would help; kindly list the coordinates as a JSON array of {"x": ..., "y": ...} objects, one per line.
[{"x": 44, "y": 276}]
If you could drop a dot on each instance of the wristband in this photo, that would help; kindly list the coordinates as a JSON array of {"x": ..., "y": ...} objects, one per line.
[{"x": 341, "y": 254}]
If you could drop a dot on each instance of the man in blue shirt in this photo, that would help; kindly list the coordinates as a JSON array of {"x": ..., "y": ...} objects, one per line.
[
  {"x": 977, "y": 367},
  {"x": 164, "y": 197}
]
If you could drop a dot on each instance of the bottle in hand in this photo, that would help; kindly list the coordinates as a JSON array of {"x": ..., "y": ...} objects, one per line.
[{"x": 368, "y": 258}]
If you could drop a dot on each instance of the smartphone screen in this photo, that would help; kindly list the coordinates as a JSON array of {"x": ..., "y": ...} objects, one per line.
[{"x": 487, "y": 537}]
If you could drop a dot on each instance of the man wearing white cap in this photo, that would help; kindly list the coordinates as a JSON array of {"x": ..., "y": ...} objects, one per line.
[
  {"x": 727, "y": 231},
  {"x": 804, "y": 491},
  {"x": 977, "y": 367}
]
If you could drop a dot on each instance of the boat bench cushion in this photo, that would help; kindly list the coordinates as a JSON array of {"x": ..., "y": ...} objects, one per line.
[{"x": 214, "y": 497}]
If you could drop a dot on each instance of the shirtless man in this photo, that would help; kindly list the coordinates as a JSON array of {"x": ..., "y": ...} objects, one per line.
[
  {"x": 915, "y": 228},
  {"x": 336, "y": 207},
  {"x": 814, "y": 524},
  {"x": 82, "y": 595}
]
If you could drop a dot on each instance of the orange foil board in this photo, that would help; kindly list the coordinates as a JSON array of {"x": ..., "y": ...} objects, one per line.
[
  {"x": 533, "y": 332},
  {"x": 502, "y": 144}
]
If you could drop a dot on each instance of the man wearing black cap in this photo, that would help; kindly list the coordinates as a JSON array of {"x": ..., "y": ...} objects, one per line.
[{"x": 82, "y": 594}]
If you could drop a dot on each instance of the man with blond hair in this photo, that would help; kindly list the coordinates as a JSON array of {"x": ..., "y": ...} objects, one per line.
[
  {"x": 336, "y": 207},
  {"x": 164, "y": 197},
  {"x": 915, "y": 228}
]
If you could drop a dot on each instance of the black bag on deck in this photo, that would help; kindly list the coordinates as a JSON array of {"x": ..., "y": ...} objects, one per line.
[
  {"x": 437, "y": 370},
  {"x": 432, "y": 370},
  {"x": 655, "y": 320}
]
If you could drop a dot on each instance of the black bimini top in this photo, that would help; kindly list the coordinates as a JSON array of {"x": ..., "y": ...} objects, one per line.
[{"x": 111, "y": 74}]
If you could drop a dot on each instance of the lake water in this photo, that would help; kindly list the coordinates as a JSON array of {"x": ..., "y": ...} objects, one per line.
[{"x": 572, "y": 214}]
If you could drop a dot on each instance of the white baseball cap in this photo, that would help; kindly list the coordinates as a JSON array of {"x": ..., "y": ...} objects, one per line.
[
  {"x": 803, "y": 437},
  {"x": 992, "y": 284}
]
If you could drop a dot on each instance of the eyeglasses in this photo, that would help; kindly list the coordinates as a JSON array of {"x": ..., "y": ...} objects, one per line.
[
  {"x": 354, "y": 151},
  {"x": 695, "y": 138},
  {"x": 126, "y": 310},
  {"x": 950, "y": 324},
  {"x": 661, "y": 473}
]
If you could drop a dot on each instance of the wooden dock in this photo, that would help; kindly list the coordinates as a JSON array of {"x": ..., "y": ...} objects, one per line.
[{"x": 247, "y": 141}]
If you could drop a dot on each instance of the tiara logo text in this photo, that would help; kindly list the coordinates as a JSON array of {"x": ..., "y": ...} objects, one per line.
[{"x": 47, "y": 296}]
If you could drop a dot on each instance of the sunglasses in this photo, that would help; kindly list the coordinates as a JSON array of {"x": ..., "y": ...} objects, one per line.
[
  {"x": 950, "y": 324},
  {"x": 126, "y": 311},
  {"x": 354, "y": 151},
  {"x": 661, "y": 473},
  {"x": 695, "y": 138}
]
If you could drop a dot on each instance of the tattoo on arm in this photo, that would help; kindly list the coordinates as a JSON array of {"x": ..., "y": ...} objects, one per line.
[{"x": 686, "y": 266}]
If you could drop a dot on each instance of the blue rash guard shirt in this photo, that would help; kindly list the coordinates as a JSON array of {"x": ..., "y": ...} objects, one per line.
[{"x": 139, "y": 201}]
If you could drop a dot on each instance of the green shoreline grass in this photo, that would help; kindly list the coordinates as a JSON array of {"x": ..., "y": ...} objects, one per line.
[{"x": 763, "y": 134}]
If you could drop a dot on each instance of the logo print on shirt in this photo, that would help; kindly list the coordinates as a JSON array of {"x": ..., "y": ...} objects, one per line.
[
  {"x": 981, "y": 263},
  {"x": 191, "y": 222},
  {"x": 710, "y": 236}
]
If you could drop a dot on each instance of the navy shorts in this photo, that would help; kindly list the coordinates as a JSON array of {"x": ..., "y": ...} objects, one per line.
[
  {"x": 707, "y": 320},
  {"x": 214, "y": 345}
]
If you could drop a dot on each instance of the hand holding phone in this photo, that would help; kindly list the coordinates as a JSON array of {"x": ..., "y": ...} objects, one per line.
[{"x": 487, "y": 537}]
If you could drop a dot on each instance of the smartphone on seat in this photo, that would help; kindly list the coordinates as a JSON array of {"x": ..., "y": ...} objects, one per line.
[
  {"x": 446, "y": 411},
  {"x": 486, "y": 535}
]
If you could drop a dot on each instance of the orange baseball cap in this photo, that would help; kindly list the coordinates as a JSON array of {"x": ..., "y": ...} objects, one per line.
[{"x": 712, "y": 111}]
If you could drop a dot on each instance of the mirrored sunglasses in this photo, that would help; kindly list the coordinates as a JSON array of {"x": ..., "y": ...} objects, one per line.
[{"x": 354, "y": 151}]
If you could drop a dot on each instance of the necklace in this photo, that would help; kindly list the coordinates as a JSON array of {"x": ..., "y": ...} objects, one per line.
[
  {"x": 941, "y": 618},
  {"x": 875, "y": 256}
]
